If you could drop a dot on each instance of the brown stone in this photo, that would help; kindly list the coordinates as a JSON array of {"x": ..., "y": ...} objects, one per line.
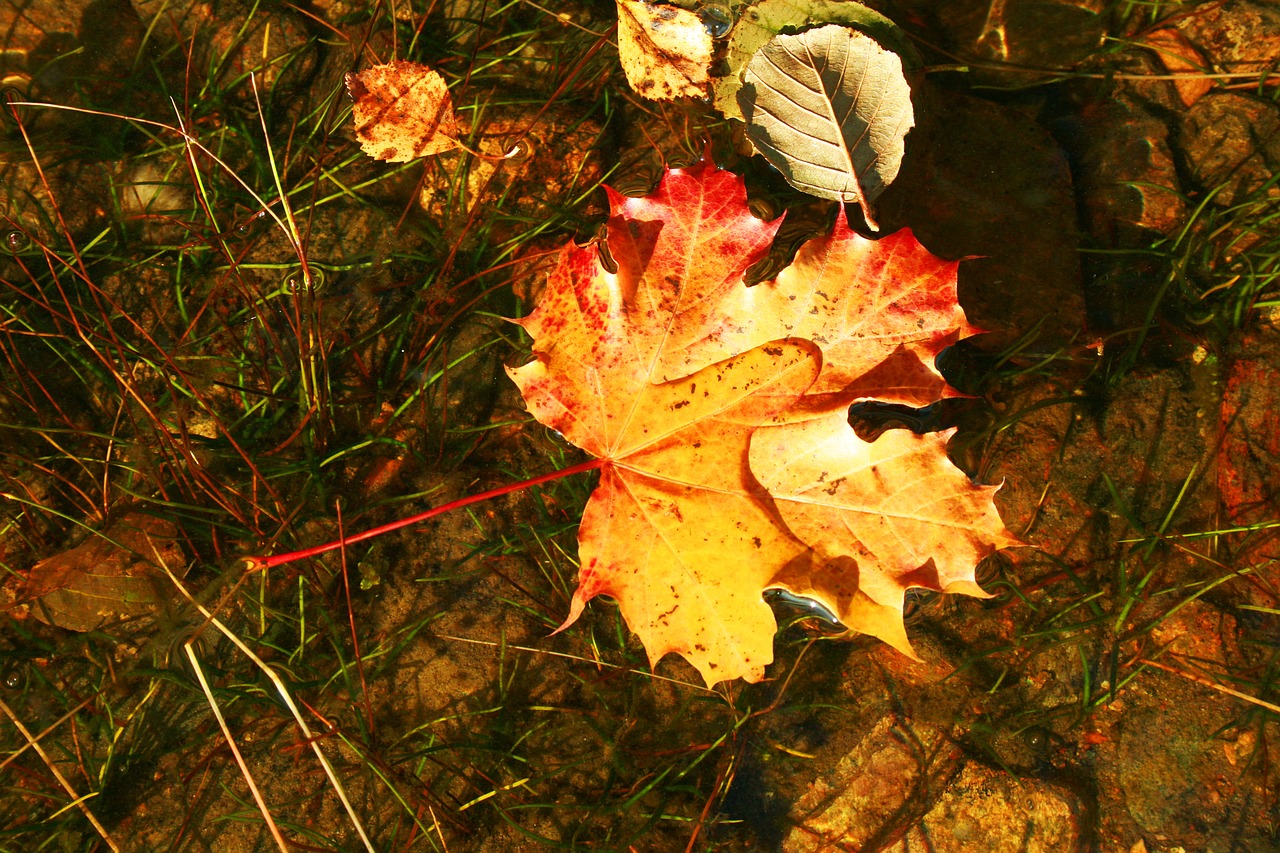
[
  {"x": 1238, "y": 36},
  {"x": 1028, "y": 33},
  {"x": 998, "y": 813},
  {"x": 1231, "y": 141},
  {"x": 235, "y": 40},
  {"x": 897, "y": 768},
  {"x": 1127, "y": 175}
]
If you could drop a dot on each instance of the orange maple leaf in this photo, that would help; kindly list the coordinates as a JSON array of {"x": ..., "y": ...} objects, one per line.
[{"x": 721, "y": 412}]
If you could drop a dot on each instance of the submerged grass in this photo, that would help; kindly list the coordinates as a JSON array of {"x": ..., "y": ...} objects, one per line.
[{"x": 263, "y": 339}]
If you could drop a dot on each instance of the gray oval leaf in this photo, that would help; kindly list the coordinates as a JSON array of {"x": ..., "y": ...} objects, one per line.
[{"x": 830, "y": 109}]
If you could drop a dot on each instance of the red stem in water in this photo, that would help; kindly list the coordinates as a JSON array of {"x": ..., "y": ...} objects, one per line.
[{"x": 260, "y": 563}]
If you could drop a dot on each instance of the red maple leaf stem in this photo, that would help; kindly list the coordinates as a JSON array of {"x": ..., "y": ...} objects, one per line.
[{"x": 261, "y": 563}]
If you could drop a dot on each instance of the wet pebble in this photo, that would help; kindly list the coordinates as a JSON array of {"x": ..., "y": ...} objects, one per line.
[
  {"x": 238, "y": 39},
  {"x": 1027, "y": 33}
]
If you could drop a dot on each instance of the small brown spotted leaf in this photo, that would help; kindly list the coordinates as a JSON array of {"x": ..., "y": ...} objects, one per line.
[
  {"x": 665, "y": 51},
  {"x": 721, "y": 412},
  {"x": 110, "y": 575},
  {"x": 402, "y": 111}
]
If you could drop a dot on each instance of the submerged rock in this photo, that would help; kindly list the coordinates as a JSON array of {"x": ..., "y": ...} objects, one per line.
[
  {"x": 1231, "y": 141},
  {"x": 1025, "y": 36},
  {"x": 233, "y": 40},
  {"x": 1238, "y": 36},
  {"x": 1127, "y": 179},
  {"x": 904, "y": 773}
]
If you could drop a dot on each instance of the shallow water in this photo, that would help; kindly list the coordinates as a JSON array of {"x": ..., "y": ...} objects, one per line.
[{"x": 252, "y": 373}]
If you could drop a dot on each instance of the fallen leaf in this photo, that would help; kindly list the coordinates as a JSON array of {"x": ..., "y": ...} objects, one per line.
[
  {"x": 665, "y": 51},
  {"x": 402, "y": 111},
  {"x": 110, "y": 575},
  {"x": 721, "y": 412},
  {"x": 830, "y": 109},
  {"x": 760, "y": 22},
  {"x": 1180, "y": 57}
]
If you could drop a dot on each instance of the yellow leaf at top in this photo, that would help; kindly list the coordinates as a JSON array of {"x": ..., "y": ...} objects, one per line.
[{"x": 665, "y": 51}]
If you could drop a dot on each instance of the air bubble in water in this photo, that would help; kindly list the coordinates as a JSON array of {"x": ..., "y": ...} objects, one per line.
[
  {"x": 295, "y": 280},
  {"x": 16, "y": 242},
  {"x": 717, "y": 18},
  {"x": 517, "y": 150}
]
